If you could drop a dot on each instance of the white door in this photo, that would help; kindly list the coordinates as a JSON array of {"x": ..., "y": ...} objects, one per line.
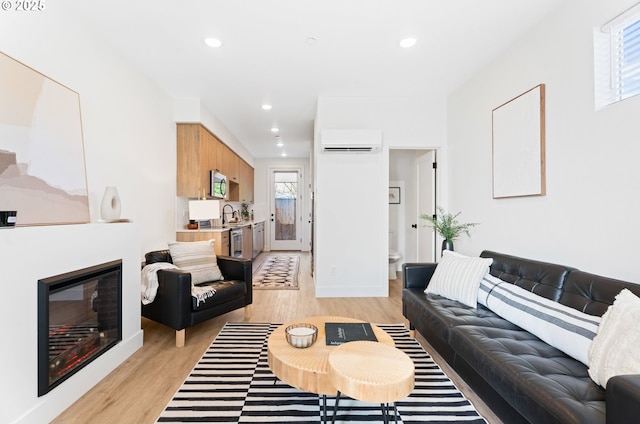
[
  {"x": 426, "y": 202},
  {"x": 286, "y": 209}
]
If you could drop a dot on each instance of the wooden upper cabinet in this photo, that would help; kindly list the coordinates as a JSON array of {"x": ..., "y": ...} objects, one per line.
[
  {"x": 198, "y": 153},
  {"x": 229, "y": 163},
  {"x": 188, "y": 181},
  {"x": 245, "y": 173},
  {"x": 217, "y": 154},
  {"x": 195, "y": 158}
]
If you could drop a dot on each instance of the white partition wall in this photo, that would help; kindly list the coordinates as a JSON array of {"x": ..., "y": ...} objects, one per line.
[{"x": 55, "y": 250}]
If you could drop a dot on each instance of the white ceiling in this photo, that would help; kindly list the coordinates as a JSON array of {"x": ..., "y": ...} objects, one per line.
[{"x": 265, "y": 56}]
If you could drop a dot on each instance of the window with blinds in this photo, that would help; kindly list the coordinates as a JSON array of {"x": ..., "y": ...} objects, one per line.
[{"x": 617, "y": 58}]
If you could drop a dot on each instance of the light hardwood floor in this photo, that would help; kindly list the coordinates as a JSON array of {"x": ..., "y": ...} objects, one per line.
[{"x": 138, "y": 390}]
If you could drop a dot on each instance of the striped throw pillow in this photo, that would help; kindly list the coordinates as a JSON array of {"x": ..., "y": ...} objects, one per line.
[
  {"x": 563, "y": 327},
  {"x": 198, "y": 258},
  {"x": 458, "y": 277},
  {"x": 488, "y": 283}
]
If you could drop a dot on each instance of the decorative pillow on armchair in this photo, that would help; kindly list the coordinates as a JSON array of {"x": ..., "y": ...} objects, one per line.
[
  {"x": 198, "y": 258},
  {"x": 458, "y": 277}
]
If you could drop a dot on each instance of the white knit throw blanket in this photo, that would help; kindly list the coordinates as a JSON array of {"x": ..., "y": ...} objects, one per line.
[
  {"x": 150, "y": 280},
  {"x": 150, "y": 284},
  {"x": 202, "y": 293}
]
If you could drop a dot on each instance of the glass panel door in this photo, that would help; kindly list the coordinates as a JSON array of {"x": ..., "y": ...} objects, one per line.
[{"x": 285, "y": 211}]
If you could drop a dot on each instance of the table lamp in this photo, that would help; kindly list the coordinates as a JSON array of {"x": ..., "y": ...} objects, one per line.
[{"x": 203, "y": 210}]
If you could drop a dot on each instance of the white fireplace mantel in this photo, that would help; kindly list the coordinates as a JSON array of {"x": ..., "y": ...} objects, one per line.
[{"x": 31, "y": 253}]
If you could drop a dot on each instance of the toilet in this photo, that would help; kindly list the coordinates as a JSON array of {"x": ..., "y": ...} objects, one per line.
[{"x": 394, "y": 258}]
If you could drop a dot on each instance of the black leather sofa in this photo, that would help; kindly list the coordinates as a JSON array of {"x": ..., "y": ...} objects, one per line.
[
  {"x": 520, "y": 377},
  {"x": 174, "y": 306}
]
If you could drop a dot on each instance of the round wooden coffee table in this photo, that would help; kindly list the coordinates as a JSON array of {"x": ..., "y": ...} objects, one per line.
[
  {"x": 386, "y": 376},
  {"x": 308, "y": 369}
]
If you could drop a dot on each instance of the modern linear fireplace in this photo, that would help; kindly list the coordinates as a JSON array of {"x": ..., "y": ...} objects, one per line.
[{"x": 79, "y": 318}]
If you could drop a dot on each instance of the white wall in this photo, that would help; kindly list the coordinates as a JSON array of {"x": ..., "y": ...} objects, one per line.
[
  {"x": 33, "y": 253},
  {"x": 192, "y": 110},
  {"x": 129, "y": 134},
  {"x": 588, "y": 217},
  {"x": 129, "y": 140},
  {"x": 352, "y": 211}
]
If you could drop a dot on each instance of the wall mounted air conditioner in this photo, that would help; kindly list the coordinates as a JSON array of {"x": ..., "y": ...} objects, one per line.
[{"x": 350, "y": 141}]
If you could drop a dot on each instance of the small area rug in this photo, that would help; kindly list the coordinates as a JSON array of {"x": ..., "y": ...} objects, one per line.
[
  {"x": 277, "y": 272},
  {"x": 232, "y": 383}
]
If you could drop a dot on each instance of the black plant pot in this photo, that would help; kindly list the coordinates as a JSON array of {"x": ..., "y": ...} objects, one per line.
[{"x": 447, "y": 245}]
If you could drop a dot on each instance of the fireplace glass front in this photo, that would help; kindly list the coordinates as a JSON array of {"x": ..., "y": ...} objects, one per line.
[{"x": 79, "y": 318}]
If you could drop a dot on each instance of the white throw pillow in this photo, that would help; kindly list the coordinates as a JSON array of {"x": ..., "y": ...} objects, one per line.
[
  {"x": 198, "y": 258},
  {"x": 561, "y": 326},
  {"x": 616, "y": 348},
  {"x": 458, "y": 277}
]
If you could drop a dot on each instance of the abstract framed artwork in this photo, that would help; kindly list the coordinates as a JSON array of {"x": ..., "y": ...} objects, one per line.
[
  {"x": 394, "y": 195},
  {"x": 42, "y": 165},
  {"x": 519, "y": 145}
]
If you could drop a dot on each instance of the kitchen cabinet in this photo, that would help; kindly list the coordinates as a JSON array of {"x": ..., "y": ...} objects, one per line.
[
  {"x": 245, "y": 173},
  {"x": 220, "y": 246},
  {"x": 198, "y": 153},
  {"x": 228, "y": 163},
  {"x": 247, "y": 242},
  {"x": 196, "y": 156},
  {"x": 258, "y": 238}
]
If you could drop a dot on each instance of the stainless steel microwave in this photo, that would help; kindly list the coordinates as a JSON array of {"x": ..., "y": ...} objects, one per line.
[{"x": 218, "y": 185}]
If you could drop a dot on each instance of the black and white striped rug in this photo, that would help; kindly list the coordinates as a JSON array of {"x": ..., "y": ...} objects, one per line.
[{"x": 232, "y": 383}]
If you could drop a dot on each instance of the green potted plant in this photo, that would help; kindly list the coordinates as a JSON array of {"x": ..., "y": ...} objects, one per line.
[
  {"x": 244, "y": 211},
  {"x": 448, "y": 227}
]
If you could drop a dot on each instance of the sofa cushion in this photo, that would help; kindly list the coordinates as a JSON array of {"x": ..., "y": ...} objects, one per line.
[
  {"x": 593, "y": 294},
  {"x": 542, "y": 278},
  {"x": 198, "y": 258},
  {"x": 616, "y": 348},
  {"x": 225, "y": 290},
  {"x": 539, "y": 381},
  {"x": 457, "y": 277},
  {"x": 436, "y": 315},
  {"x": 563, "y": 327}
]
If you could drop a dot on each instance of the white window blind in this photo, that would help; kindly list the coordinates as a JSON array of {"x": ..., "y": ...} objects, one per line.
[{"x": 617, "y": 58}]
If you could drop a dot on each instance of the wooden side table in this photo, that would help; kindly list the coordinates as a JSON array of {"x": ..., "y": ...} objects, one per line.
[{"x": 371, "y": 372}]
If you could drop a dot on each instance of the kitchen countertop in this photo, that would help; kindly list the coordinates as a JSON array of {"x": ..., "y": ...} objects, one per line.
[
  {"x": 222, "y": 229},
  {"x": 204, "y": 230}
]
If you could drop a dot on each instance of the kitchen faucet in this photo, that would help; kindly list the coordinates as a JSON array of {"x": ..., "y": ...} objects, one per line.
[{"x": 223, "y": 208}]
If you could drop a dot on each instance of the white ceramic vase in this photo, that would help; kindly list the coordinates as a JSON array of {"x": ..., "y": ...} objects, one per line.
[{"x": 110, "y": 206}]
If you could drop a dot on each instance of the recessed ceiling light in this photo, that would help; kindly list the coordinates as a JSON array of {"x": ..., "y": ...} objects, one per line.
[
  {"x": 275, "y": 129},
  {"x": 266, "y": 106},
  {"x": 213, "y": 42},
  {"x": 279, "y": 143},
  {"x": 407, "y": 42},
  {"x": 283, "y": 154}
]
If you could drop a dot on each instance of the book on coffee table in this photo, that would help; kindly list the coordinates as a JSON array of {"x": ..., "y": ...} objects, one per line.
[{"x": 342, "y": 332}]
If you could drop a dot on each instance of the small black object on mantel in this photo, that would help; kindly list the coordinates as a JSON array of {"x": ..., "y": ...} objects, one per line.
[{"x": 8, "y": 219}]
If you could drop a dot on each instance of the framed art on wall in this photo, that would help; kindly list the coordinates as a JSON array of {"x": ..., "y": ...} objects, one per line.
[
  {"x": 518, "y": 128},
  {"x": 42, "y": 166},
  {"x": 394, "y": 195}
]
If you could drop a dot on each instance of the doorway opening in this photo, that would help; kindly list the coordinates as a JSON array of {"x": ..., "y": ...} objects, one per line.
[{"x": 415, "y": 171}]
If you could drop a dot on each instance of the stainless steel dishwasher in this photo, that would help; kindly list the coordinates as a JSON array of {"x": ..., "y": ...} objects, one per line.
[
  {"x": 236, "y": 242},
  {"x": 258, "y": 238}
]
